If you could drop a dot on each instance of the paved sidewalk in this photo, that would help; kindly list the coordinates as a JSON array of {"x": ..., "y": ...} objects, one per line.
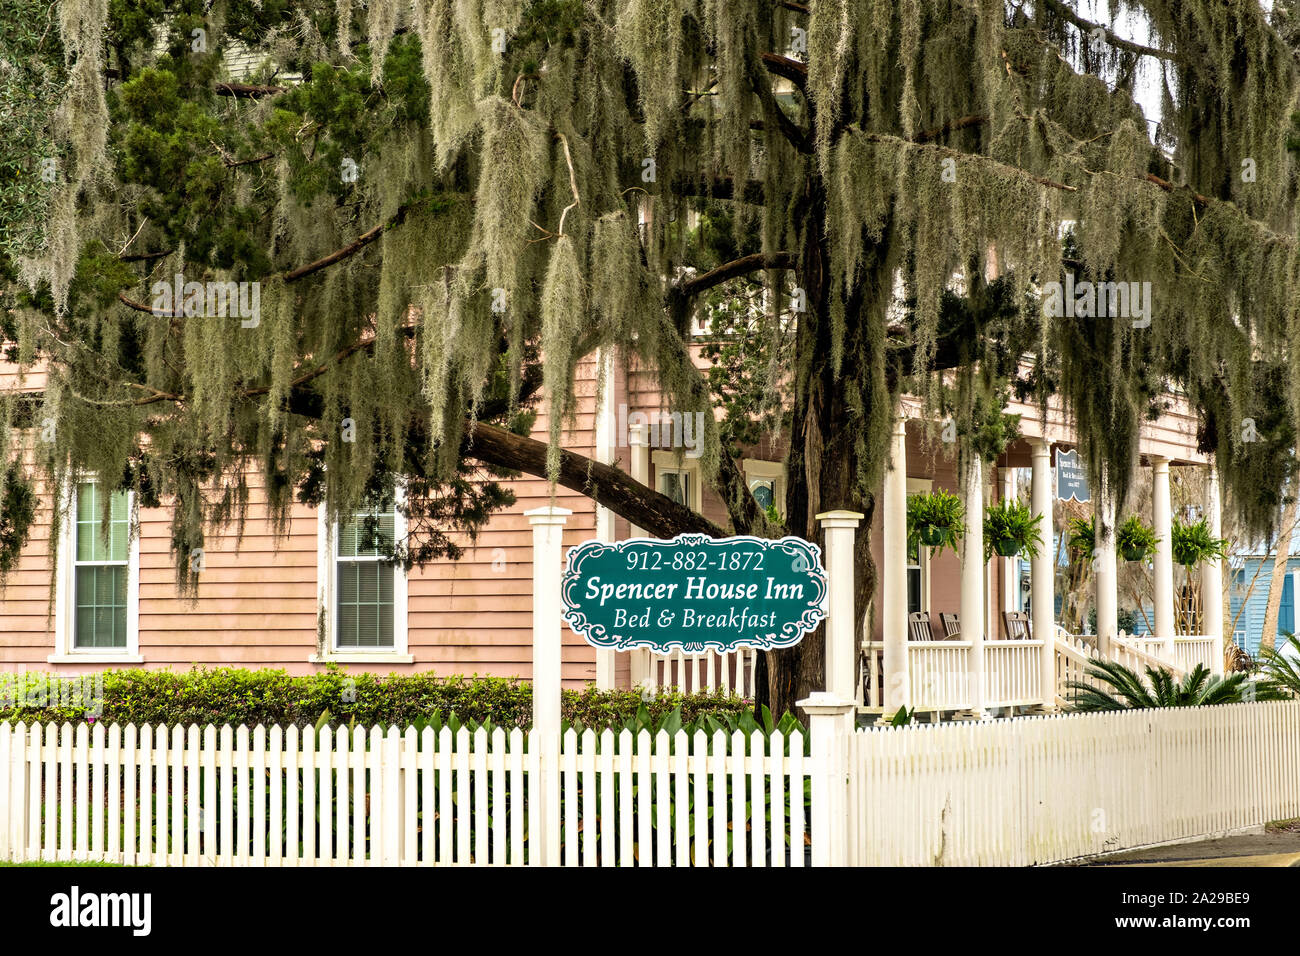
[{"x": 1276, "y": 848}]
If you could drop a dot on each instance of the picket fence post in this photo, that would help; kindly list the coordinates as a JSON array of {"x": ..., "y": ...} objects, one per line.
[
  {"x": 13, "y": 790},
  {"x": 390, "y": 768},
  {"x": 548, "y": 533},
  {"x": 830, "y": 726},
  {"x": 842, "y": 649}
]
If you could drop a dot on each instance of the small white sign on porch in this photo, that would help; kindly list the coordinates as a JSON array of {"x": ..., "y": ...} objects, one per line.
[{"x": 1071, "y": 478}]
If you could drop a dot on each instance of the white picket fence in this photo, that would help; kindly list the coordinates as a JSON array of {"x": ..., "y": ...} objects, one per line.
[
  {"x": 180, "y": 796},
  {"x": 1034, "y": 790},
  {"x": 1008, "y": 792}
]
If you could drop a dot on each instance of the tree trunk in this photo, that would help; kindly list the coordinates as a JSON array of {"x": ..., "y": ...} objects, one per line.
[
  {"x": 823, "y": 461},
  {"x": 1281, "y": 556}
]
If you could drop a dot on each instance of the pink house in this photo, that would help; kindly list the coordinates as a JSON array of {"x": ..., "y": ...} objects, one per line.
[{"x": 311, "y": 597}]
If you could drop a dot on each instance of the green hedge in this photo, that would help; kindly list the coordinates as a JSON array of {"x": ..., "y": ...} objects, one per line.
[{"x": 237, "y": 696}]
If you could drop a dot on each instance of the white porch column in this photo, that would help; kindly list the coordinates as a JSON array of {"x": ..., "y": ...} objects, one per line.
[
  {"x": 1104, "y": 568},
  {"x": 1162, "y": 521},
  {"x": 841, "y": 649},
  {"x": 972, "y": 579},
  {"x": 1212, "y": 574},
  {"x": 1042, "y": 569},
  {"x": 638, "y": 439},
  {"x": 606, "y": 658},
  {"x": 548, "y": 532},
  {"x": 894, "y": 627},
  {"x": 1010, "y": 580}
]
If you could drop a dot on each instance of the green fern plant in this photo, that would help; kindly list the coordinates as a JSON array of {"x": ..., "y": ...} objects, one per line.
[
  {"x": 1082, "y": 538},
  {"x": 1193, "y": 544},
  {"x": 936, "y": 519},
  {"x": 1010, "y": 528},
  {"x": 1135, "y": 539}
]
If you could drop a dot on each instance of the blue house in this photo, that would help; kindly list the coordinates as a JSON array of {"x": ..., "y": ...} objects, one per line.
[{"x": 1247, "y": 604}]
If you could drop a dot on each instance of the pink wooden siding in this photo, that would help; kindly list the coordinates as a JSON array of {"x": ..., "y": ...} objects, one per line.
[
  {"x": 257, "y": 598},
  {"x": 257, "y": 606}
]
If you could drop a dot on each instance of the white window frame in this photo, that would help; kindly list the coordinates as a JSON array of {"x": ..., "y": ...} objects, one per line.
[
  {"x": 65, "y": 585},
  {"x": 668, "y": 462},
  {"x": 327, "y": 607},
  {"x": 756, "y": 469},
  {"x": 920, "y": 486}
]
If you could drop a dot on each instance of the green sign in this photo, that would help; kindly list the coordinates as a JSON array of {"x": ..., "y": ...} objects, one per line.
[{"x": 694, "y": 592}]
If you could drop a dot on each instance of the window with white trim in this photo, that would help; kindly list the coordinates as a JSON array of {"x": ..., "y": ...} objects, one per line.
[
  {"x": 98, "y": 578},
  {"x": 363, "y": 593},
  {"x": 364, "y": 582},
  {"x": 766, "y": 481},
  {"x": 678, "y": 477}
]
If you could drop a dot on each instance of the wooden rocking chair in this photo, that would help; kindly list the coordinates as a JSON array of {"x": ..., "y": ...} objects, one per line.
[
  {"x": 1016, "y": 624},
  {"x": 918, "y": 626}
]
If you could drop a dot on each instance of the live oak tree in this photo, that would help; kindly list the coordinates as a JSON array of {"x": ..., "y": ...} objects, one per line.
[{"x": 448, "y": 204}]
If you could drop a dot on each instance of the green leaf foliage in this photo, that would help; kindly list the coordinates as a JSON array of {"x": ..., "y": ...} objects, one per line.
[
  {"x": 235, "y": 696},
  {"x": 937, "y": 513},
  {"x": 1011, "y": 521},
  {"x": 1113, "y": 686}
]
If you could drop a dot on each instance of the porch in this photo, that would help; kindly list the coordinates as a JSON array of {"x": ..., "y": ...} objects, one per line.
[
  {"x": 940, "y": 673},
  {"x": 991, "y": 641},
  {"x": 1002, "y": 649}
]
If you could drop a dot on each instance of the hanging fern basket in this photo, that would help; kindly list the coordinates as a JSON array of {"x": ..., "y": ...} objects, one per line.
[
  {"x": 932, "y": 535},
  {"x": 1133, "y": 554},
  {"x": 1007, "y": 547}
]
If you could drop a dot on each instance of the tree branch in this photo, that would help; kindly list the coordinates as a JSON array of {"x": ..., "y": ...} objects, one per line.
[
  {"x": 644, "y": 507},
  {"x": 751, "y": 191},
  {"x": 797, "y": 137},
  {"x": 736, "y": 267},
  {"x": 792, "y": 70},
  {"x": 961, "y": 123},
  {"x": 246, "y": 91},
  {"x": 338, "y": 255},
  {"x": 1114, "y": 39}
]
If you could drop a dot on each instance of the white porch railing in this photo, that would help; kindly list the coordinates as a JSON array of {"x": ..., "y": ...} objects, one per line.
[
  {"x": 1193, "y": 649},
  {"x": 709, "y": 672},
  {"x": 1013, "y": 673},
  {"x": 1137, "y": 656},
  {"x": 939, "y": 671},
  {"x": 939, "y": 674},
  {"x": 1074, "y": 656},
  {"x": 1189, "y": 650}
]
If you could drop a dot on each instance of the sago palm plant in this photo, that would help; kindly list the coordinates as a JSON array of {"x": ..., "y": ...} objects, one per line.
[
  {"x": 1127, "y": 691},
  {"x": 1282, "y": 665}
]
